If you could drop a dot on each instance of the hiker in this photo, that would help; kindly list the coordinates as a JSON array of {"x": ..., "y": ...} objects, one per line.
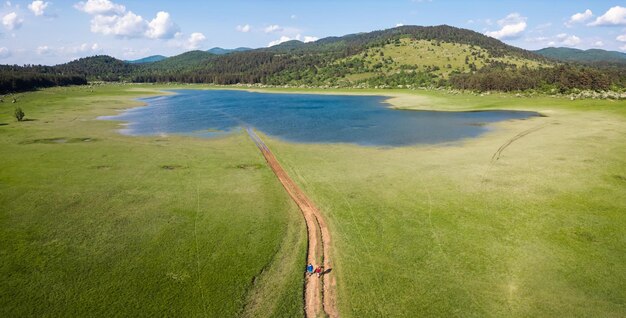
[
  {"x": 309, "y": 269},
  {"x": 319, "y": 271}
]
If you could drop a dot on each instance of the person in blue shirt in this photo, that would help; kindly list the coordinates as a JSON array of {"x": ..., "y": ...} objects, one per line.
[{"x": 309, "y": 269}]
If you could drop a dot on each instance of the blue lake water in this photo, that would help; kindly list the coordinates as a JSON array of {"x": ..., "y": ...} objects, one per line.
[{"x": 362, "y": 120}]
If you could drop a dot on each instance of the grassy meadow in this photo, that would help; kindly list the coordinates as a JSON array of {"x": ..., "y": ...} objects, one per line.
[
  {"x": 93, "y": 223},
  {"x": 452, "y": 231}
]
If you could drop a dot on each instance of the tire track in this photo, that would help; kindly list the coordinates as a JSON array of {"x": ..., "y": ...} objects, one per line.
[{"x": 496, "y": 156}]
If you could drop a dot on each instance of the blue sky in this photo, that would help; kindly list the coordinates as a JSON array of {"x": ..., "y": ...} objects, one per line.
[{"x": 56, "y": 31}]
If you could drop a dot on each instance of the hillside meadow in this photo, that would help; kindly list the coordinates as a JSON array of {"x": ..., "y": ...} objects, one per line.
[
  {"x": 526, "y": 220},
  {"x": 439, "y": 58},
  {"x": 93, "y": 223}
]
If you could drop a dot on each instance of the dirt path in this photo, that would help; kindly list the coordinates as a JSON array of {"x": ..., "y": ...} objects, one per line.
[{"x": 319, "y": 294}]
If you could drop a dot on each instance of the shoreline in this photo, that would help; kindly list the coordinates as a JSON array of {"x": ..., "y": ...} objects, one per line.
[{"x": 393, "y": 100}]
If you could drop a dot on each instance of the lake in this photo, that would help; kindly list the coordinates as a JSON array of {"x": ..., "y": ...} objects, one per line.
[{"x": 305, "y": 118}]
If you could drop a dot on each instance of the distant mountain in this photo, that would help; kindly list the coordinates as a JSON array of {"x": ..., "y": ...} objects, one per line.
[
  {"x": 221, "y": 51},
  {"x": 149, "y": 59},
  {"x": 588, "y": 56}
]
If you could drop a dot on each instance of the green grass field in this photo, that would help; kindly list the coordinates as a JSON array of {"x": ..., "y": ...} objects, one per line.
[
  {"x": 93, "y": 223},
  {"x": 444, "y": 231},
  {"x": 98, "y": 224}
]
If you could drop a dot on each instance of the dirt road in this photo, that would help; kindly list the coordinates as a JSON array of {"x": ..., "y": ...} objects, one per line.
[{"x": 319, "y": 295}]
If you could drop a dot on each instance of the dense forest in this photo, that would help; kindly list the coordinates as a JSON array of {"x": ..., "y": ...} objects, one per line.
[
  {"x": 359, "y": 60},
  {"x": 26, "y": 78},
  {"x": 562, "y": 78}
]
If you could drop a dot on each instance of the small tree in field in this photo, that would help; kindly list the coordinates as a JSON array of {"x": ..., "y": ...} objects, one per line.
[{"x": 19, "y": 114}]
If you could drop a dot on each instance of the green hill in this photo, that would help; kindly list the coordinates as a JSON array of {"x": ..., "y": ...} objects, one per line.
[
  {"x": 434, "y": 52},
  {"x": 588, "y": 56},
  {"x": 221, "y": 51},
  {"x": 100, "y": 67},
  {"x": 180, "y": 63},
  {"x": 149, "y": 59}
]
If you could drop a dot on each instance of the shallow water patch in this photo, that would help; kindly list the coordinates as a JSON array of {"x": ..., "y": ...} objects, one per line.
[{"x": 362, "y": 120}]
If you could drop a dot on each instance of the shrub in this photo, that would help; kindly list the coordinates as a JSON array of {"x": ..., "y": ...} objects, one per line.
[{"x": 19, "y": 114}]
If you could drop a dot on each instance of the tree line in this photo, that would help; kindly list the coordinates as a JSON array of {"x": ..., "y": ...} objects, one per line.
[
  {"x": 315, "y": 70},
  {"x": 562, "y": 78},
  {"x": 27, "y": 78}
]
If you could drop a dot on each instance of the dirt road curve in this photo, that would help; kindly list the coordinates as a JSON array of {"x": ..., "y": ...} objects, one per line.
[{"x": 319, "y": 293}]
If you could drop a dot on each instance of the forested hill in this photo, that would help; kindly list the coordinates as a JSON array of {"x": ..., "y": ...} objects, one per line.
[
  {"x": 100, "y": 67},
  {"x": 149, "y": 59},
  {"x": 355, "y": 43},
  {"x": 407, "y": 56},
  {"x": 423, "y": 55},
  {"x": 587, "y": 56},
  {"x": 221, "y": 51}
]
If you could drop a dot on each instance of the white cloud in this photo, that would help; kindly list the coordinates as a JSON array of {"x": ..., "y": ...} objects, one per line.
[
  {"x": 579, "y": 17},
  {"x": 562, "y": 39},
  {"x": 566, "y": 40},
  {"x": 128, "y": 25},
  {"x": 399, "y": 24},
  {"x": 513, "y": 25},
  {"x": 81, "y": 48},
  {"x": 195, "y": 39},
  {"x": 162, "y": 27},
  {"x": 293, "y": 17},
  {"x": 11, "y": 21},
  {"x": 110, "y": 18},
  {"x": 598, "y": 44},
  {"x": 571, "y": 40},
  {"x": 272, "y": 28},
  {"x": 4, "y": 52},
  {"x": 191, "y": 42},
  {"x": 74, "y": 51},
  {"x": 133, "y": 53},
  {"x": 38, "y": 7},
  {"x": 284, "y": 38},
  {"x": 279, "y": 41},
  {"x": 615, "y": 16},
  {"x": 621, "y": 38},
  {"x": 243, "y": 28},
  {"x": 537, "y": 39},
  {"x": 104, "y": 7},
  {"x": 43, "y": 50},
  {"x": 622, "y": 48}
]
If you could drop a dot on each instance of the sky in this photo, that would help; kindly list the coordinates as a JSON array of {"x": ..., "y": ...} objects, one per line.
[{"x": 58, "y": 31}]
